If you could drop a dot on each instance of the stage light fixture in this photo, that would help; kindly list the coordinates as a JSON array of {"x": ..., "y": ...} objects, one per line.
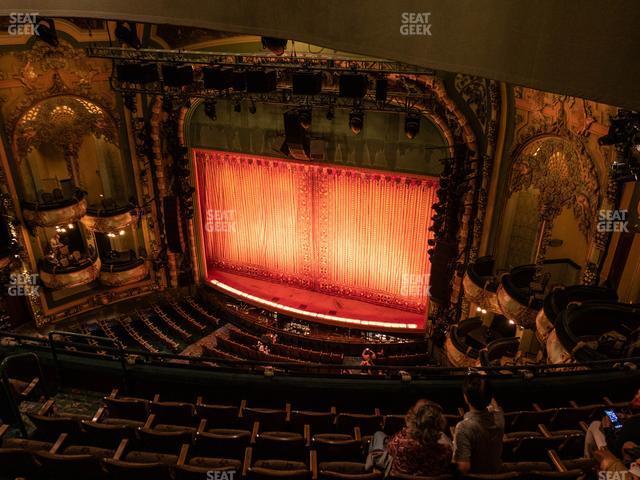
[
  {"x": 210, "y": 109},
  {"x": 330, "y": 114},
  {"x": 356, "y": 121},
  {"x": 177, "y": 75},
  {"x": 275, "y": 45},
  {"x": 304, "y": 116},
  {"x": 411, "y": 125},
  {"x": 127, "y": 33},
  {"x": 237, "y": 106},
  {"x": 252, "y": 108},
  {"x": 46, "y": 31}
]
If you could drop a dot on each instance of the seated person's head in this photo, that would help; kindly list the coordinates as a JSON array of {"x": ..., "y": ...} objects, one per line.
[
  {"x": 477, "y": 391},
  {"x": 425, "y": 421}
]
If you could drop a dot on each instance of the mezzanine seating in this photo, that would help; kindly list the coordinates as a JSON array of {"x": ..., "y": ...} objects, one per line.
[{"x": 136, "y": 438}]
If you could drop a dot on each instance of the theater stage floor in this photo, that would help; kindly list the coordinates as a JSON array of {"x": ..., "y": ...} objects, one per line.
[{"x": 315, "y": 306}]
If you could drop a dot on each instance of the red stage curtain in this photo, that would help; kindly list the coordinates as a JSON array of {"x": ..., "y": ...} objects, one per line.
[{"x": 351, "y": 232}]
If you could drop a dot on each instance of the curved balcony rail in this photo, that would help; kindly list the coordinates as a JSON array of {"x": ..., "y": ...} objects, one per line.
[
  {"x": 480, "y": 284},
  {"x": 500, "y": 352},
  {"x": 558, "y": 300},
  {"x": 82, "y": 271},
  {"x": 515, "y": 298},
  {"x": 110, "y": 218},
  {"x": 470, "y": 336},
  {"x": 595, "y": 331},
  {"x": 55, "y": 211},
  {"x": 123, "y": 270}
]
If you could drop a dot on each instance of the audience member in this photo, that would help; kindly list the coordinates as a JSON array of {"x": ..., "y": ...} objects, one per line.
[
  {"x": 477, "y": 444},
  {"x": 602, "y": 433},
  {"x": 421, "y": 447}
]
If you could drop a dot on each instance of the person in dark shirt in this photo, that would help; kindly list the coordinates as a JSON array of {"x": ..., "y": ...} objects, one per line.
[
  {"x": 421, "y": 447},
  {"x": 477, "y": 443}
]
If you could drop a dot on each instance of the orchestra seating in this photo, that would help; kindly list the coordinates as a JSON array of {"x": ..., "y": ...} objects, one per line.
[{"x": 158, "y": 438}]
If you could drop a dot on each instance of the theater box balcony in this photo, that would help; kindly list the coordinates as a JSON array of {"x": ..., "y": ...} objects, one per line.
[
  {"x": 83, "y": 271},
  {"x": 108, "y": 218},
  {"x": 55, "y": 211},
  {"x": 123, "y": 268},
  {"x": 515, "y": 298},
  {"x": 480, "y": 284}
]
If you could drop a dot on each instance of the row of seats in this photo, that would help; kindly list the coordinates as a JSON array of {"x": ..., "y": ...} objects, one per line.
[
  {"x": 134, "y": 438},
  {"x": 257, "y": 326},
  {"x": 314, "y": 356}
]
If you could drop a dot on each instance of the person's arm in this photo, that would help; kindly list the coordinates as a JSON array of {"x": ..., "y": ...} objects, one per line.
[{"x": 462, "y": 450}]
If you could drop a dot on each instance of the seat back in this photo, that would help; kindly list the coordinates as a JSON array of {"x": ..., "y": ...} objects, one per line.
[
  {"x": 174, "y": 413},
  {"x": 273, "y": 474},
  {"x": 528, "y": 449},
  {"x": 164, "y": 442},
  {"x": 347, "y": 471},
  {"x": 221, "y": 444},
  {"x": 337, "y": 448},
  {"x": 368, "y": 424},
  {"x": 270, "y": 419},
  {"x": 17, "y": 462},
  {"x": 128, "y": 408},
  {"x": 566, "y": 418},
  {"x": 393, "y": 424},
  {"x": 65, "y": 467},
  {"x": 105, "y": 435},
  {"x": 218, "y": 416},
  {"x": 280, "y": 446},
  {"x": 320, "y": 422},
  {"x": 50, "y": 428},
  {"x": 119, "y": 470},
  {"x": 527, "y": 421}
]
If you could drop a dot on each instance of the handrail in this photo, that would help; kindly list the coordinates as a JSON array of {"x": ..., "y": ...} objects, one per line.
[
  {"x": 7, "y": 388},
  {"x": 118, "y": 348},
  {"x": 499, "y": 371}
]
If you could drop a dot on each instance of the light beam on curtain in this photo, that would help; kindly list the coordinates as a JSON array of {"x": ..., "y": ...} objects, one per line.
[{"x": 348, "y": 232}]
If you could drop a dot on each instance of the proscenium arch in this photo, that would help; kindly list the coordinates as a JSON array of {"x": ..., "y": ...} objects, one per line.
[{"x": 524, "y": 43}]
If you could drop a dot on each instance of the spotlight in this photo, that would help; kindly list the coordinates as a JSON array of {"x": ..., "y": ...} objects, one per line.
[
  {"x": 411, "y": 125},
  {"x": 237, "y": 107},
  {"x": 127, "y": 33},
  {"x": 121, "y": 232},
  {"x": 71, "y": 227},
  {"x": 46, "y": 31},
  {"x": 276, "y": 45},
  {"x": 210, "y": 109},
  {"x": 304, "y": 115},
  {"x": 356, "y": 121},
  {"x": 330, "y": 114},
  {"x": 252, "y": 108}
]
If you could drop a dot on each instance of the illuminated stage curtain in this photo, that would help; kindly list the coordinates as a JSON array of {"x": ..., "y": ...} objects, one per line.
[{"x": 349, "y": 232}]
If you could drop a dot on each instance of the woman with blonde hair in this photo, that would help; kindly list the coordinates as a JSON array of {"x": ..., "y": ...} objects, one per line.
[{"x": 421, "y": 447}]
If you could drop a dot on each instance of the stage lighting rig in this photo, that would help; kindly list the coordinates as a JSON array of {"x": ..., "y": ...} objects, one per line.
[
  {"x": 412, "y": 125},
  {"x": 127, "y": 33},
  {"x": 275, "y": 45},
  {"x": 304, "y": 115},
  {"x": 210, "y": 109},
  {"x": 624, "y": 133},
  {"x": 356, "y": 121},
  {"x": 46, "y": 31}
]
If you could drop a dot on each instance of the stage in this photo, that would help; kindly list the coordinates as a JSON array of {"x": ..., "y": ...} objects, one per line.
[{"x": 315, "y": 306}]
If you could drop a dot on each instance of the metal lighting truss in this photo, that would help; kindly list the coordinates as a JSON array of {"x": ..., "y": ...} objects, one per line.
[{"x": 410, "y": 97}]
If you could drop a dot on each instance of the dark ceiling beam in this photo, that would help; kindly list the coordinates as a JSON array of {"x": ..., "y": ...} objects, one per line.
[{"x": 584, "y": 48}]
